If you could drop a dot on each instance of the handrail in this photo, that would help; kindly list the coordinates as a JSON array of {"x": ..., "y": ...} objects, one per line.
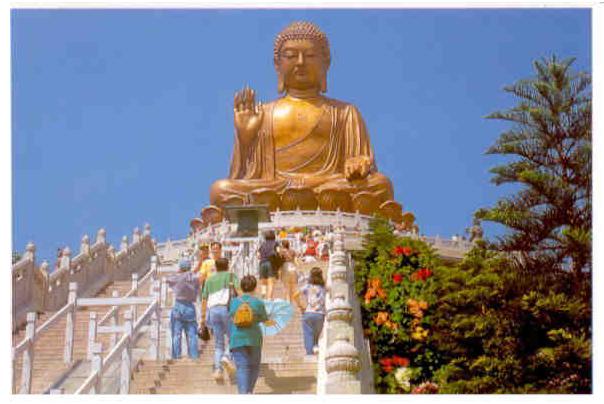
[
  {"x": 150, "y": 274},
  {"x": 54, "y": 318},
  {"x": 117, "y": 350}
]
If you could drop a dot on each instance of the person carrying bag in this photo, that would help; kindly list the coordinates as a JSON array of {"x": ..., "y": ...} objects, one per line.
[{"x": 217, "y": 293}]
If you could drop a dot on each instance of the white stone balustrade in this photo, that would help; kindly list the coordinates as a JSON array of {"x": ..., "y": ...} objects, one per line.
[{"x": 35, "y": 289}]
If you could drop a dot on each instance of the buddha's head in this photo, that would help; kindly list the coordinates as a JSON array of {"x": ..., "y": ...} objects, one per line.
[{"x": 301, "y": 57}]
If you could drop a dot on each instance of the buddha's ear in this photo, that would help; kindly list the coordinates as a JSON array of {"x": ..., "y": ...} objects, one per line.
[
  {"x": 324, "y": 81},
  {"x": 280, "y": 83}
]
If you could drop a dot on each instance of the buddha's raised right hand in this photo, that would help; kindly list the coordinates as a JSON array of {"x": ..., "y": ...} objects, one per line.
[{"x": 248, "y": 114}]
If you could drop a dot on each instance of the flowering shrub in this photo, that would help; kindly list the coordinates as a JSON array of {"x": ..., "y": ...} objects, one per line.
[{"x": 394, "y": 276}]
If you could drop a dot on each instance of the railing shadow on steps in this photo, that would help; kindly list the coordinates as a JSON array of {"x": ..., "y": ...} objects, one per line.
[{"x": 129, "y": 260}]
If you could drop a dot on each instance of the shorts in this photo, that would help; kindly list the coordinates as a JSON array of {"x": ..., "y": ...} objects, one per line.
[{"x": 266, "y": 270}]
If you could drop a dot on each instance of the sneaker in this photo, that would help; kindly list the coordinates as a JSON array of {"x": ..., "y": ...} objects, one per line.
[
  {"x": 229, "y": 366},
  {"x": 315, "y": 349},
  {"x": 217, "y": 375}
]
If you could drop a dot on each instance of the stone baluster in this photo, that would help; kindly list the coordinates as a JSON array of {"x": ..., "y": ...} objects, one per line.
[
  {"x": 155, "y": 322},
  {"x": 113, "y": 320},
  {"x": 28, "y": 355},
  {"x": 92, "y": 333},
  {"x": 147, "y": 230},
  {"x": 136, "y": 235},
  {"x": 65, "y": 264},
  {"x": 124, "y": 244},
  {"x": 40, "y": 295},
  {"x": 126, "y": 363},
  {"x": 70, "y": 319},
  {"x": 134, "y": 288},
  {"x": 101, "y": 236},
  {"x": 85, "y": 245},
  {"x": 30, "y": 251},
  {"x": 342, "y": 365},
  {"x": 96, "y": 366}
]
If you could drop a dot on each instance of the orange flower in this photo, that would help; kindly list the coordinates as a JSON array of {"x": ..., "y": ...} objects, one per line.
[
  {"x": 374, "y": 289},
  {"x": 381, "y": 317}
]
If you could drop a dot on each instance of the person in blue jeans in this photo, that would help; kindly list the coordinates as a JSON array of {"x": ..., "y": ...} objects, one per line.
[
  {"x": 185, "y": 286},
  {"x": 215, "y": 299},
  {"x": 311, "y": 300},
  {"x": 246, "y": 341}
]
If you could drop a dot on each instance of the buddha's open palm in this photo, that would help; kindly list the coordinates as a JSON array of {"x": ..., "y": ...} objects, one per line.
[
  {"x": 357, "y": 168},
  {"x": 248, "y": 114}
]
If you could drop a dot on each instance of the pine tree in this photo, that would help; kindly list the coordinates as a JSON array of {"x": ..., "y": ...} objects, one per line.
[{"x": 550, "y": 217}]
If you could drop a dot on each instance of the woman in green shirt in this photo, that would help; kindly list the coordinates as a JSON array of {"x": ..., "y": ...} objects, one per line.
[{"x": 246, "y": 341}]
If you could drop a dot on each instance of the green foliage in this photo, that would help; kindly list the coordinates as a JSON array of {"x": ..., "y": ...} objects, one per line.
[
  {"x": 550, "y": 218},
  {"x": 514, "y": 316},
  {"x": 393, "y": 277},
  {"x": 498, "y": 332}
]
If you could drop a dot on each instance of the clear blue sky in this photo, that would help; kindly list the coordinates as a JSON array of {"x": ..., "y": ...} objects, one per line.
[{"x": 122, "y": 117}]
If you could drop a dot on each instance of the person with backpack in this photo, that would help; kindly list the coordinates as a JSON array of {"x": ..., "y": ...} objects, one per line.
[
  {"x": 246, "y": 312},
  {"x": 185, "y": 286},
  {"x": 311, "y": 301},
  {"x": 267, "y": 253},
  {"x": 216, "y": 295}
]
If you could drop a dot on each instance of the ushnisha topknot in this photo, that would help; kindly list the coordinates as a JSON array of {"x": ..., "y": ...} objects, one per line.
[{"x": 302, "y": 30}]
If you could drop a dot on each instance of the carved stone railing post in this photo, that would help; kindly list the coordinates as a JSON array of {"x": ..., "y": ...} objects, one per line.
[
  {"x": 30, "y": 251},
  {"x": 101, "y": 236},
  {"x": 153, "y": 267},
  {"x": 113, "y": 320},
  {"x": 135, "y": 293},
  {"x": 28, "y": 355},
  {"x": 124, "y": 244},
  {"x": 96, "y": 365},
  {"x": 136, "y": 235},
  {"x": 126, "y": 363},
  {"x": 85, "y": 245},
  {"x": 65, "y": 264},
  {"x": 70, "y": 324},
  {"x": 92, "y": 333},
  {"x": 155, "y": 323},
  {"x": 343, "y": 365}
]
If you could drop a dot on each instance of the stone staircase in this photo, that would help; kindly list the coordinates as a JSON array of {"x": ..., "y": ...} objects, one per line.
[
  {"x": 284, "y": 369},
  {"x": 49, "y": 367}
]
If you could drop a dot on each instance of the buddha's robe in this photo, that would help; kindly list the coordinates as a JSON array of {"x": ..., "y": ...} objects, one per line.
[{"x": 314, "y": 160}]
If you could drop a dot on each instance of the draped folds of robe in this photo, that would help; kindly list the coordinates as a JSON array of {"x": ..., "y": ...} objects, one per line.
[{"x": 347, "y": 138}]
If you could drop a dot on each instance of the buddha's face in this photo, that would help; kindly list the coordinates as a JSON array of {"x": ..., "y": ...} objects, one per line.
[{"x": 301, "y": 64}]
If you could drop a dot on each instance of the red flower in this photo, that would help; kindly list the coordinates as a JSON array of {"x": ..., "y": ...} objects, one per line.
[
  {"x": 387, "y": 369},
  {"x": 386, "y": 362},
  {"x": 421, "y": 274},
  {"x": 398, "y": 250},
  {"x": 397, "y": 278},
  {"x": 399, "y": 361}
]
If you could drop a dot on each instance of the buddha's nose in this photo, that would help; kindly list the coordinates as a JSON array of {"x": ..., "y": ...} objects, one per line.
[{"x": 300, "y": 60}]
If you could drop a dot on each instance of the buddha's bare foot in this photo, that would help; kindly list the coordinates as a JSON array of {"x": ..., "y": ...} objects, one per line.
[
  {"x": 392, "y": 210},
  {"x": 265, "y": 196},
  {"x": 366, "y": 203},
  {"x": 302, "y": 198},
  {"x": 331, "y": 200},
  {"x": 211, "y": 215}
]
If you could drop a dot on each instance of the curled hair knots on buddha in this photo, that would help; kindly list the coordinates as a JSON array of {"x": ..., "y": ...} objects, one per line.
[{"x": 302, "y": 30}]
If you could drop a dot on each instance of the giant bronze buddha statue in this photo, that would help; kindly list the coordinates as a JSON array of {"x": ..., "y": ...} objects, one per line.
[{"x": 303, "y": 150}]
